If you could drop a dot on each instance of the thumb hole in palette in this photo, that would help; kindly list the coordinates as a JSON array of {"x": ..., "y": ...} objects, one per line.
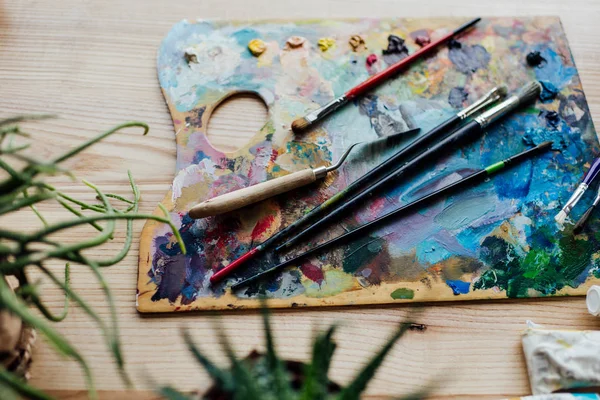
[{"x": 236, "y": 120}]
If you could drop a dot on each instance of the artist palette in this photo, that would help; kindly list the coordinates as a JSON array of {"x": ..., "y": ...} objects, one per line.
[{"x": 497, "y": 240}]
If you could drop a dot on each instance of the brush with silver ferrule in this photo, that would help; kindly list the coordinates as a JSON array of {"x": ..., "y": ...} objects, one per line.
[
  {"x": 467, "y": 132},
  {"x": 583, "y": 186},
  {"x": 363, "y": 230},
  {"x": 586, "y": 215},
  {"x": 379, "y": 172},
  {"x": 306, "y": 121}
]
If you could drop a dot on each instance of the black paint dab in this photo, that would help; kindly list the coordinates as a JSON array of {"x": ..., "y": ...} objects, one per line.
[
  {"x": 395, "y": 51},
  {"x": 454, "y": 44},
  {"x": 535, "y": 59},
  {"x": 395, "y": 45}
]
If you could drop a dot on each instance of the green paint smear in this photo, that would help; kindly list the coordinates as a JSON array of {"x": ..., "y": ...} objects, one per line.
[
  {"x": 361, "y": 252},
  {"x": 403, "y": 293},
  {"x": 548, "y": 267}
]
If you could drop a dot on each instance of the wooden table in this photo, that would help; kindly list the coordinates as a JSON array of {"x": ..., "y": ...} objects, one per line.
[{"x": 93, "y": 62}]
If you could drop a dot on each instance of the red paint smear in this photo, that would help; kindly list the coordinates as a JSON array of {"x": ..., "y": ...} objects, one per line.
[
  {"x": 377, "y": 205},
  {"x": 312, "y": 272},
  {"x": 274, "y": 155},
  {"x": 371, "y": 59},
  {"x": 262, "y": 226}
]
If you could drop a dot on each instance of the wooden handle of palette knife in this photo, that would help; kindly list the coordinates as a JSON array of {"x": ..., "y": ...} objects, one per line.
[{"x": 252, "y": 194}]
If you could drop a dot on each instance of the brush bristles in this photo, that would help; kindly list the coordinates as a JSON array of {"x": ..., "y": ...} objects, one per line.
[
  {"x": 530, "y": 92},
  {"x": 561, "y": 217},
  {"x": 299, "y": 125},
  {"x": 502, "y": 90}
]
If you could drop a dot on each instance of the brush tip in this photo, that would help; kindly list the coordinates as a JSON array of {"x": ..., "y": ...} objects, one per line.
[
  {"x": 502, "y": 90},
  {"x": 529, "y": 92},
  {"x": 561, "y": 217},
  {"x": 299, "y": 125}
]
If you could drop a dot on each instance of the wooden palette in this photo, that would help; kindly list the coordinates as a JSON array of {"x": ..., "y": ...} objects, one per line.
[{"x": 493, "y": 241}]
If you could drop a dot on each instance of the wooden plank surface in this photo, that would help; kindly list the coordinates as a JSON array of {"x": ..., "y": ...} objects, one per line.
[{"x": 93, "y": 62}]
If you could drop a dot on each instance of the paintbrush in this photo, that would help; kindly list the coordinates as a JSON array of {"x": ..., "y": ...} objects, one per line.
[
  {"x": 252, "y": 194},
  {"x": 586, "y": 215},
  {"x": 469, "y": 131},
  {"x": 583, "y": 186},
  {"x": 372, "y": 177},
  {"x": 314, "y": 116},
  {"x": 467, "y": 181}
]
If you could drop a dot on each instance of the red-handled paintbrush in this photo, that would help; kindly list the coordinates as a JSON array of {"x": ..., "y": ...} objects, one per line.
[{"x": 303, "y": 123}]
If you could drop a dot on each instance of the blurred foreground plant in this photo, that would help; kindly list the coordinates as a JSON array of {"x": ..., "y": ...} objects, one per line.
[
  {"x": 23, "y": 185},
  {"x": 267, "y": 377}
]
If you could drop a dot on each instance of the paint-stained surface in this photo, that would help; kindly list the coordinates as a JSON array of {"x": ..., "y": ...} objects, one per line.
[{"x": 497, "y": 240}]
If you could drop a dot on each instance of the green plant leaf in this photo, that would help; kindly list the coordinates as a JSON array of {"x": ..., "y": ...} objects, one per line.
[
  {"x": 20, "y": 387},
  {"x": 9, "y": 301},
  {"x": 316, "y": 381},
  {"x": 170, "y": 393},
  {"x": 30, "y": 292},
  {"x": 221, "y": 378},
  {"x": 279, "y": 376},
  {"x": 245, "y": 387},
  {"x": 359, "y": 384}
]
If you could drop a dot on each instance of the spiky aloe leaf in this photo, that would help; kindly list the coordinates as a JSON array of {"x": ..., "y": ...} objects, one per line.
[
  {"x": 279, "y": 376},
  {"x": 170, "y": 393},
  {"x": 316, "y": 381},
  {"x": 359, "y": 383},
  {"x": 245, "y": 385},
  {"x": 221, "y": 378}
]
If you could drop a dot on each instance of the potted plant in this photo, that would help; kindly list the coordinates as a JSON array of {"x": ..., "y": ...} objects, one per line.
[
  {"x": 267, "y": 377},
  {"x": 24, "y": 185}
]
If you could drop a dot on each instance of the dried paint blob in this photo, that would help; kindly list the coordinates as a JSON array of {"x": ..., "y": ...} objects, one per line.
[
  {"x": 454, "y": 44},
  {"x": 403, "y": 293},
  {"x": 468, "y": 59},
  {"x": 371, "y": 59},
  {"x": 195, "y": 117},
  {"x": 395, "y": 51},
  {"x": 535, "y": 59},
  {"x": 294, "y": 42},
  {"x": 257, "y": 47},
  {"x": 190, "y": 56},
  {"x": 422, "y": 40},
  {"x": 326, "y": 43},
  {"x": 551, "y": 118},
  {"x": 357, "y": 43},
  {"x": 549, "y": 92},
  {"x": 457, "y": 97},
  {"x": 458, "y": 287}
]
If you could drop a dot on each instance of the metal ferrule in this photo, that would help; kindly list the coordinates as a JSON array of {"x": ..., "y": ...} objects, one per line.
[
  {"x": 489, "y": 98},
  {"x": 326, "y": 109},
  {"x": 498, "y": 111},
  {"x": 320, "y": 172},
  {"x": 597, "y": 199},
  {"x": 575, "y": 198}
]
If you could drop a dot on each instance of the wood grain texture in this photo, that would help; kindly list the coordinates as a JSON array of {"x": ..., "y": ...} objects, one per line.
[{"x": 93, "y": 62}]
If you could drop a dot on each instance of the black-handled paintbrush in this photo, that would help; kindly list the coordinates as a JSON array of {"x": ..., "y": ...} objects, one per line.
[
  {"x": 372, "y": 177},
  {"x": 470, "y": 131},
  {"x": 469, "y": 180},
  {"x": 586, "y": 215}
]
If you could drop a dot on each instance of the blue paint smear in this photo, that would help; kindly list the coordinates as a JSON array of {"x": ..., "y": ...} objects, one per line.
[
  {"x": 549, "y": 92},
  {"x": 244, "y": 36},
  {"x": 554, "y": 71},
  {"x": 459, "y": 287}
]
